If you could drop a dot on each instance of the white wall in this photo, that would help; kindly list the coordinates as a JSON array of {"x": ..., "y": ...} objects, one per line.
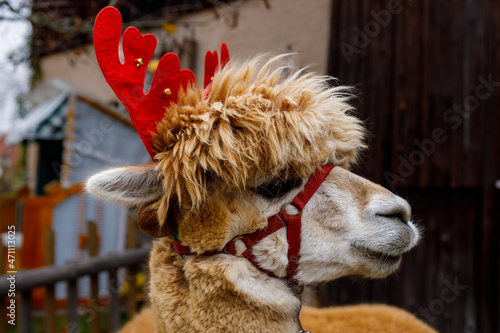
[
  {"x": 80, "y": 69},
  {"x": 304, "y": 26}
]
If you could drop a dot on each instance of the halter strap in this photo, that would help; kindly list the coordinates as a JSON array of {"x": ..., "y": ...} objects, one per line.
[
  {"x": 295, "y": 222},
  {"x": 274, "y": 223}
]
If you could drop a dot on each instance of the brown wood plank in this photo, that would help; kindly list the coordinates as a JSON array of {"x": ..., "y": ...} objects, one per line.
[
  {"x": 495, "y": 302},
  {"x": 114, "y": 309},
  {"x": 93, "y": 250},
  {"x": 32, "y": 278},
  {"x": 72, "y": 324},
  {"x": 2, "y": 256},
  {"x": 489, "y": 271},
  {"x": 95, "y": 314},
  {"x": 490, "y": 230},
  {"x": 414, "y": 116},
  {"x": 334, "y": 46},
  {"x": 131, "y": 271},
  {"x": 399, "y": 130},
  {"x": 423, "y": 112},
  {"x": 24, "y": 318},
  {"x": 427, "y": 98},
  {"x": 3, "y": 314},
  {"x": 50, "y": 295},
  {"x": 477, "y": 64}
]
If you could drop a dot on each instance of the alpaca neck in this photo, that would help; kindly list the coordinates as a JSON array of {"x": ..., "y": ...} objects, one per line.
[{"x": 217, "y": 294}]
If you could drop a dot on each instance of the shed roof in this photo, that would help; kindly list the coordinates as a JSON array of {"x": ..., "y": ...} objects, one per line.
[{"x": 47, "y": 118}]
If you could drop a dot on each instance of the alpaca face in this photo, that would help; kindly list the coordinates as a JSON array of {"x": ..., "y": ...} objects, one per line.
[{"x": 350, "y": 225}]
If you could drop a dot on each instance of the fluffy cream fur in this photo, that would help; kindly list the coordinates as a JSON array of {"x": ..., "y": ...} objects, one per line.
[
  {"x": 342, "y": 319},
  {"x": 254, "y": 126}
]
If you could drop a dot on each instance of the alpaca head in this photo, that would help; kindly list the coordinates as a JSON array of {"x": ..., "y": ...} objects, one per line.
[{"x": 226, "y": 162}]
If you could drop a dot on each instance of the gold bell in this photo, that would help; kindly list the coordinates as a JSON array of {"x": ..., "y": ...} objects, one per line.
[
  {"x": 139, "y": 62},
  {"x": 167, "y": 92}
]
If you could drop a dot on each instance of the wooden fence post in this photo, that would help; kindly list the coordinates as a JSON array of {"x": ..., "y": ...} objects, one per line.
[
  {"x": 2, "y": 257},
  {"x": 93, "y": 249},
  {"x": 50, "y": 295},
  {"x": 131, "y": 271},
  {"x": 114, "y": 306},
  {"x": 72, "y": 325},
  {"x": 24, "y": 320}
]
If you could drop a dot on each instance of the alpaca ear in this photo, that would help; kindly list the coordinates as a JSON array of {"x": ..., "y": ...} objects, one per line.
[{"x": 129, "y": 185}]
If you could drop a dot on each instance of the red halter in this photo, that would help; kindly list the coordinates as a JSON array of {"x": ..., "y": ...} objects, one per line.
[{"x": 274, "y": 223}]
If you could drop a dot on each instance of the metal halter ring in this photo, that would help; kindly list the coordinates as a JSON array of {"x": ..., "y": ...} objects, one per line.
[{"x": 234, "y": 240}]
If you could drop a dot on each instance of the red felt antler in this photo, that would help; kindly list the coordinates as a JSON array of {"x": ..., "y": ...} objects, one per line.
[
  {"x": 212, "y": 66},
  {"x": 212, "y": 63},
  {"x": 127, "y": 78}
]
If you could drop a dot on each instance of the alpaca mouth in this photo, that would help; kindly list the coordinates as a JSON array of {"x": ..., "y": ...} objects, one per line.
[{"x": 377, "y": 255}]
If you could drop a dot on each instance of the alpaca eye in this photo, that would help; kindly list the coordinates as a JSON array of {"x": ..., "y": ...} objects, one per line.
[{"x": 278, "y": 187}]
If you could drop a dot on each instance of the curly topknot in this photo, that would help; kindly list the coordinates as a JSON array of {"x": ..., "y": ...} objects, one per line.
[{"x": 254, "y": 126}]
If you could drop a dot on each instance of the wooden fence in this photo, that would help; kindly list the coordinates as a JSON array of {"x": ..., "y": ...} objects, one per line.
[
  {"x": 26, "y": 280},
  {"x": 26, "y": 285},
  {"x": 428, "y": 76}
]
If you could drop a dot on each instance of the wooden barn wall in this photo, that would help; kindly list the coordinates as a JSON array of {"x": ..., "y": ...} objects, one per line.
[{"x": 422, "y": 69}]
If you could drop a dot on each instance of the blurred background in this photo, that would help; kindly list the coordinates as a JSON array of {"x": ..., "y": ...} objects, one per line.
[{"x": 427, "y": 74}]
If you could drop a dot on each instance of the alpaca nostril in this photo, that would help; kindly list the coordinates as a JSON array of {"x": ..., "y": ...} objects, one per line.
[
  {"x": 398, "y": 216},
  {"x": 398, "y": 210},
  {"x": 389, "y": 208}
]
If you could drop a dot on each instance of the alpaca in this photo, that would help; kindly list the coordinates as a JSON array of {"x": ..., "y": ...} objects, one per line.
[{"x": 249, "y": 192}]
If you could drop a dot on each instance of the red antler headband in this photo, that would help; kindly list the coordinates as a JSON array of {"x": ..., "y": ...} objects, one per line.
[{"x": 127, "y": 79}]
